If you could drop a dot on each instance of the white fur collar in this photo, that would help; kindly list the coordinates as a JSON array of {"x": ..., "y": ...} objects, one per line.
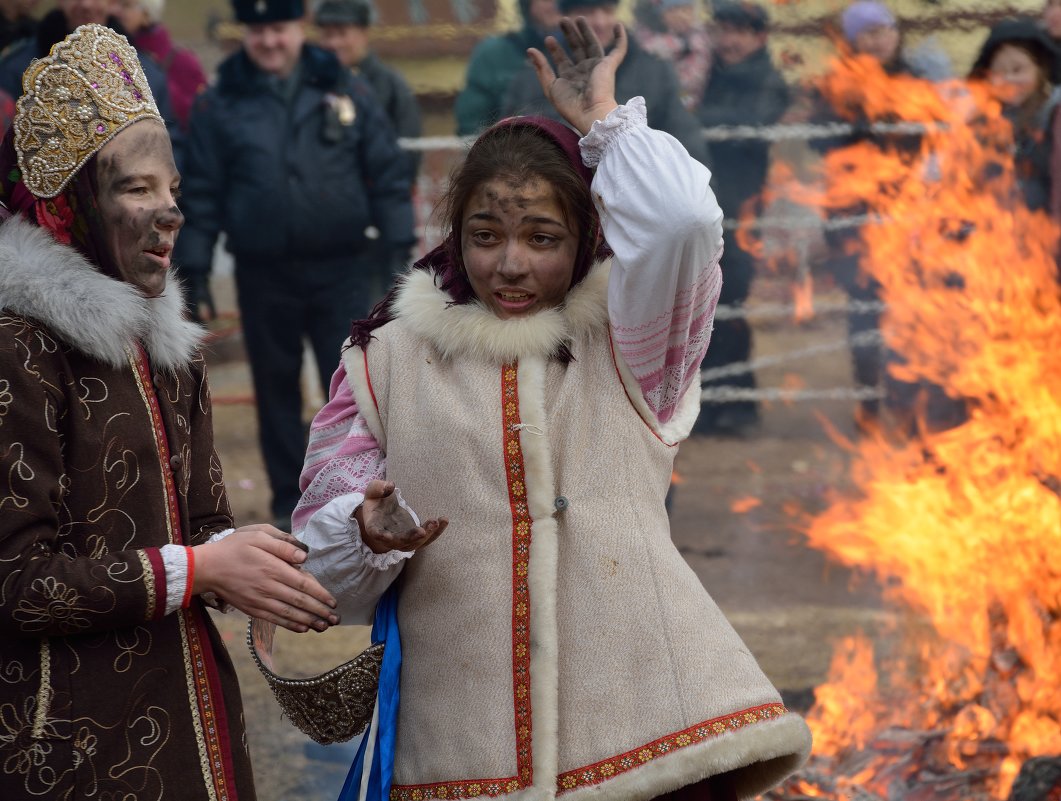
[
  {"x": 55, "y": 285},
  {"x": 471, "y": 329}
]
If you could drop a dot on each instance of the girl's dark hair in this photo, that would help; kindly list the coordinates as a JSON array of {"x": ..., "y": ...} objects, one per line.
[
  {"x": 517, "y": 149},
  {"x": 517, "y": 154}
]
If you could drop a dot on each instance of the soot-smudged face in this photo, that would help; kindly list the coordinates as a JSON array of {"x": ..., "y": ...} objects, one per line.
[
  {"x": 517, "y": 246},
  {"x": 138, "y": 191}
]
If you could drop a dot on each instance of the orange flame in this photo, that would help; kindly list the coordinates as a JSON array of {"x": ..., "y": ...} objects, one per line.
[{"x": 963, "y": 526}]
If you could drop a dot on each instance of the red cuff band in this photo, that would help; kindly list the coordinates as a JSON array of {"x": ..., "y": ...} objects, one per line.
[{"x": 187, "y": 600}]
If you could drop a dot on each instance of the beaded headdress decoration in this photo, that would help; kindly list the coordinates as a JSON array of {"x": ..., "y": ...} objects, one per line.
[{"x": 88, "y": 89}]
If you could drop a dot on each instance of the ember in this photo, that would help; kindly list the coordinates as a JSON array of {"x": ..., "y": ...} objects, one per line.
[{"x": 961, "y": 526}]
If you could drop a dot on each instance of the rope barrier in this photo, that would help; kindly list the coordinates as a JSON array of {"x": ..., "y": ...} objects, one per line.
[
  {"x": 805, "y": 223},
  {"x": 731, "y": 394},
  {"x": 781, "y": 132},
  {"x": 772, "y": 311},
  {"x": 859, "y": 340}
]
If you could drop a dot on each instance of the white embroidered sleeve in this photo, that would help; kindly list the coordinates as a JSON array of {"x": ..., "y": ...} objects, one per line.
[
  {"x": 662, "y": 221},
  {"x": 344, "y": 565}
]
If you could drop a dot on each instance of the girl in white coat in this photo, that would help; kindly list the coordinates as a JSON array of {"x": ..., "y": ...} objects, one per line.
[{"x": 531, "y": 383}]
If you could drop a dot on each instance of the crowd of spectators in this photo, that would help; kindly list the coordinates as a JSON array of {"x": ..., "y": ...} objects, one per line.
[{"x": 321, "y": 116}]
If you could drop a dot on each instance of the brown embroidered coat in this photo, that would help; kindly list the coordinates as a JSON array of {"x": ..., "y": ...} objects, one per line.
[{"x": 106, "y": 455}]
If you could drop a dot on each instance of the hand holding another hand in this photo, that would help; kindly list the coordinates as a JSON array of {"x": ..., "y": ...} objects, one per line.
[
  {"x": 256, "y": 569},
  {"x": 386, "y": 526}
]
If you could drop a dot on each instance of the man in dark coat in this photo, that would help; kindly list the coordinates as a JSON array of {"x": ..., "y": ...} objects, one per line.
[
  {"x": 292, "y": 156},
  {"x": 640, "y": 74},
  {"x": 343, "y": 26},
  {"x": 496, "y": 60},
  {"x": 56, "y": 26},
  {"x": 744, "y": 89}
]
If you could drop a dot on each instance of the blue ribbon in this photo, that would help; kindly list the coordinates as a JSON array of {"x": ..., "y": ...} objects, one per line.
[{"x": 385, "y": 630}]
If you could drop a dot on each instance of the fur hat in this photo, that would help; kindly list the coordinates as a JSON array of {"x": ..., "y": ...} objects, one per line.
[
  {"x": 566, "y": 6},
  {"x": 1024, "y": 32},
  {"x": 742, "y": 14},
  {"x": 343, "y": 12},
  {"x": 250, "y": 12}
]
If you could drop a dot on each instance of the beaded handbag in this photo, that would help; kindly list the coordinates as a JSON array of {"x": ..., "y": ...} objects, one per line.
[{"x": 331, "y": 707}]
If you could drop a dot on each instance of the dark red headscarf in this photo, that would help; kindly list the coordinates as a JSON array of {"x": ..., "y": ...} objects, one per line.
[{"x": 446, "y": 262}]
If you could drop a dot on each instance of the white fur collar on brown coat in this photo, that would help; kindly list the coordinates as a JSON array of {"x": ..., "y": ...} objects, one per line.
[
  {"x": 56, "y": 286},
  {"x": 473, "y": 330}
]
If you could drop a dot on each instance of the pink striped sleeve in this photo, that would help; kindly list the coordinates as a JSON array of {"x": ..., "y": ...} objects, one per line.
[
  {"x": 342, "y": 456},
  {"x": 664, "y": 353}
]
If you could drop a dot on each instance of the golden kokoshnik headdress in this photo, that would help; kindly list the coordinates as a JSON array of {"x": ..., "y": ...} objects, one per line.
[{"x": 89, "y": 88}]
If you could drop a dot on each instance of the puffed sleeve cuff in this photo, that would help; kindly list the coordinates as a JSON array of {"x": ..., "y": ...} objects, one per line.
[
  {"x": 176, "y": 562},
  {"x": 343, "y": 564},
  {"x": 630, "y": 115}
]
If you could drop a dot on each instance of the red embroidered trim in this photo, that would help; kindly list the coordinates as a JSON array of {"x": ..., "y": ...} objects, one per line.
[
  {"x": 709, "y": 729},
  {"x": 521, "y": 541},
  {"x": 454, "y": 791},
  {"x": 143, "y": 370},
  {"x": 212, "y": 726},
  {"x": 521, "y": 684},
  {"x": 186, "y": 601},
  {"x": 368, "y": 379}
]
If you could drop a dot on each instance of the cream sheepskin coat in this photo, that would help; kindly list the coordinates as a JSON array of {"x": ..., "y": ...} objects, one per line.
[{"x": 554, "y": 640}]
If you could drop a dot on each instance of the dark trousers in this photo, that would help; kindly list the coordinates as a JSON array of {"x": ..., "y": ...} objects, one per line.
[
  {"x": 281, "y": 305},
  {"x": 731, "y": 342}
]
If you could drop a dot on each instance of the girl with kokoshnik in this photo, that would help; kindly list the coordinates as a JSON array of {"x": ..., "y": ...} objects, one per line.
[{"x": 552, "y": 641}]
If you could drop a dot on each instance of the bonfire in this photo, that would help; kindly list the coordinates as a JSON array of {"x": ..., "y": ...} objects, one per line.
[{"x": 962, "y": 527}]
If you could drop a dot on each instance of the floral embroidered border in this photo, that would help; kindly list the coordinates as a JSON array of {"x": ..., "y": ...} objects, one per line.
[
  {"x": 521, "y": 687},
  {"x": 453, "y": 791},
  {"x": 204, "y": 713},
  {"x": 207, "y": 712},
  {"x": 709, "y": 729}
]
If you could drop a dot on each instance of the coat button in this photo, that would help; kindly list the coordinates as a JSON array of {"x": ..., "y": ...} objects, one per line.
[
  {"x": 156, "y": 379},
  {"x": 561, "y": 503},
  {"x": 175, "y": 462}
]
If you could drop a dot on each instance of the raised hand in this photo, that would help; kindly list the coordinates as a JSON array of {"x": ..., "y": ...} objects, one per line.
[
  {"x": 582, "y": 89},
  {"x": 386, "y": 526}
]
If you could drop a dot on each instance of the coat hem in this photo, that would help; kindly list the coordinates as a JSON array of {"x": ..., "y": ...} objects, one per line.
[{"x": 777, "y": 747}]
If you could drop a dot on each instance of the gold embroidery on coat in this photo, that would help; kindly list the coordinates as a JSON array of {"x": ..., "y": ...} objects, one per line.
[
  {"x": 149, "y": 584},
  {"x": 44, "y": 694}
]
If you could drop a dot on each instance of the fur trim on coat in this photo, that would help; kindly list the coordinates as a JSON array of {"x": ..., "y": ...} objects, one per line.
[
  {"x": 480, "y": 334},
  {"x": 56, "y": 286}
]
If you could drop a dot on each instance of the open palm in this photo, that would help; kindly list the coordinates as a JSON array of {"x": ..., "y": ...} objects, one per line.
[{"x": 582, "y": 89}]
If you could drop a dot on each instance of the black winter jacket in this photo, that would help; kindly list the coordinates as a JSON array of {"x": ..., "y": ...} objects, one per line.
[
  {"x": 291, "y": 182},
  {"x": 397, "y": 99},
  {"x": 749, "y": 93}
]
